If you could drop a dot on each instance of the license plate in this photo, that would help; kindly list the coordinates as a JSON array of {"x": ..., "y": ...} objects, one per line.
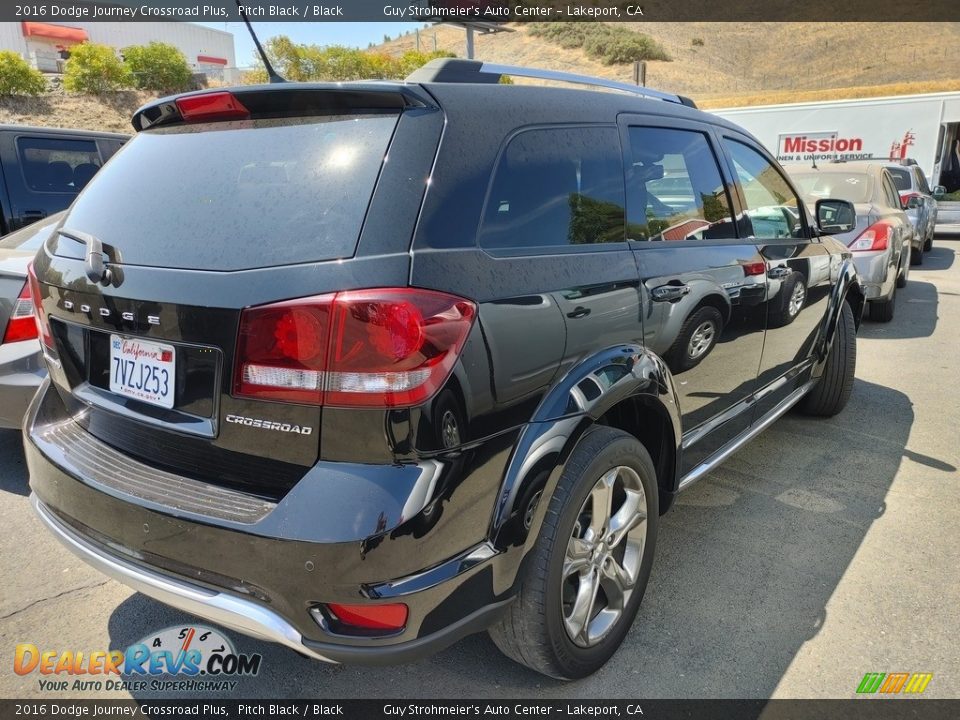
[{"x": 142, "y": 370}]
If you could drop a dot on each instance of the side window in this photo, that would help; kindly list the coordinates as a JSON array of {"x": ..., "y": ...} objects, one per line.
[
  {"x": 890, "y": 192},
  {"x": 109, "y": 147},
  {"x": 57, "y": 165},
  {"x": 674, "y": 187},
  {"x": 772, "y": 208},
  {"x": 556, "y": 187},
  {"x": 900, "y": 178},
  {"x": 921, "y": 181}
]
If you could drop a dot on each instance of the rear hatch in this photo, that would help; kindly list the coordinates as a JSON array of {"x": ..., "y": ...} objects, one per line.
[{"x": 223, "y": 201}]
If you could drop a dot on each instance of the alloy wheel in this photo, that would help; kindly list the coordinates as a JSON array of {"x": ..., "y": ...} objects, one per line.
[
  {"x": 797, "y": 298},
  {"x": 701, "y": 340},
  {"x": 602, "y": 561}
]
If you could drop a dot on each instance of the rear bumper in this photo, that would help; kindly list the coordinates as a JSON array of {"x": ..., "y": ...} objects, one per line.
[
  {"x": 877, "y": 273},
  {"x": 248, "y": 617},
  {"x": 263, "y": 568},
  {"x": 21, "y": 372}
]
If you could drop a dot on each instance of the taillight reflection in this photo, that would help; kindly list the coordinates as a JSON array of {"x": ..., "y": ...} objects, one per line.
[
  {"x": 40, "y": 317},
  {"x": 21, "y": 325}
]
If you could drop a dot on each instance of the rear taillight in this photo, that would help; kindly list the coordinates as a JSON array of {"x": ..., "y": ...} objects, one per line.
[
  {"x": 905, "y": 198},
  {"x": 380, "y": 348},
  {"x": 875, "y": 237},
  {"x": 22, "y": 325},
  {"x": 212, "y": 106},
  {"x": 42, "y": 323},
  {"x": 754, "y": 268}
]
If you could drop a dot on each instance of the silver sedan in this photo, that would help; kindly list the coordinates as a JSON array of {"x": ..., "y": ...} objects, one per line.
[{"x": 21, "y": 363}]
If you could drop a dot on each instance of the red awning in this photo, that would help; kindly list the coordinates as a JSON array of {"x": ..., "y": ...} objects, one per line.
[
  {"x": 54, "y": 32},
  {"x": 211, "y": 60}
]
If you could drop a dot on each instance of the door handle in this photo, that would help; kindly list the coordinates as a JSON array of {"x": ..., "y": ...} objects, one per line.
[
  {"x": 578, "y": 312},
  {"x": 778, "y": 273},
  {"x": 670, "y": 293}
]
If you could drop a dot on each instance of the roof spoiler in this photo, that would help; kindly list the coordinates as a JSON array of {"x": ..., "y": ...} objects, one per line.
[{"x": 291, "y": 100}]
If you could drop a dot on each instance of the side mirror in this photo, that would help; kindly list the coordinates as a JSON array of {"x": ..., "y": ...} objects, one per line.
[
  {"x": 939, "y": 191},
  {"x": 835, "y": 217},
  {"x": 915, "y": 201}
]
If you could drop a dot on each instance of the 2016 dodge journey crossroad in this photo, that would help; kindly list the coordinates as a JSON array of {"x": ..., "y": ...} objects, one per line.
[{"x": 363, "y": 368}]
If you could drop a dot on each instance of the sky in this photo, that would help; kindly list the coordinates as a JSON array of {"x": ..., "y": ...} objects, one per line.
[{"x": 353, "y": 34}]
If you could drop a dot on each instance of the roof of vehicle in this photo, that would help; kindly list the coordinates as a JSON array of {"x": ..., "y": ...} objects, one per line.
[
  {"x": 529, "y": 103},
  {"x": 74, "y": 132},
  {"x": 865, "y": 167}
]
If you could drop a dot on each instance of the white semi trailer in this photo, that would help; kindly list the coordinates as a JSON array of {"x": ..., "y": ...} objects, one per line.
[{"x": 924, "y": 128}]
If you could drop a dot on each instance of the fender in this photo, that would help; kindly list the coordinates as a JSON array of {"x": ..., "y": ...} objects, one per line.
[
  {"x": 847, "y": 282},
  {"x": 567, "y": 411}
]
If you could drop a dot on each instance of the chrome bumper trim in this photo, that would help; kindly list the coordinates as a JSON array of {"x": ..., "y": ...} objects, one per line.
[{"x": 228, "y": 610}]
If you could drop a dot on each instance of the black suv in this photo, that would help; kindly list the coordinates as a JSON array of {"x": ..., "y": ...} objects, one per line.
[{"x": 362, "y": 368}]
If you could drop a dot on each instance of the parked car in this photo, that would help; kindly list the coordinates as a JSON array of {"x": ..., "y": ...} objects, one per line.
[
  {"x": 920, "y": 204},
  {"x": 43, "y": 169},
  {"x": 21, "y": 365},
  {"x": 882, "y": 239},
  {"x": 364, "y": 408}
]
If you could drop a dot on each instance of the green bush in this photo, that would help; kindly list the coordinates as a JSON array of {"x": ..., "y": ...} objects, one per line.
[
  {"x": 94, "y": 68},
  {"x": 298, "y": 62},
  {"x": 158, "y": 66},
  {"x": 697, "y": 42},
  {"x": 17, "y": 77},
  {"x": 610, "y": 44}
]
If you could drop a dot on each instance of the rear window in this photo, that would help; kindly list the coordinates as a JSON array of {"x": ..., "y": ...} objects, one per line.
[
  {"x": 853, "y": 187},
  {"x": 901, "y": 177},
  {"x": 57, "y": 164},
  {"x": 556, "y": 187},
  {"x": 238, "y": 195}
]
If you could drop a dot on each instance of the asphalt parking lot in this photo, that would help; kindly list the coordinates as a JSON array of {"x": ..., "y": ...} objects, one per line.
[{"x": 822, "y": 551}]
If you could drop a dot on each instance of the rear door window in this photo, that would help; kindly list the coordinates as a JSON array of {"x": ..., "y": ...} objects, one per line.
[
  {"x": 921, "y": 181},
  {"x": 889, "y": 190},
  {"x": 556, "y": 187},
  {"x": 901, "y": 178},
  {"x": 57, "y": 164},
  {"x": 238, "y": 195}
]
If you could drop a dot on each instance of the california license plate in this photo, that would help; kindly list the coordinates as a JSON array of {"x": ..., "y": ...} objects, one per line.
[{"x": 142, "y": 370}]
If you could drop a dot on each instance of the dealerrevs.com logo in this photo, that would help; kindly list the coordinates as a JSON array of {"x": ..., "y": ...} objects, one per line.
[{"x": 181, "y": 658}]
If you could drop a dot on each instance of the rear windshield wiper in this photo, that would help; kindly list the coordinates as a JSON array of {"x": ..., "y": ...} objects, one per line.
[{"x": 96, "y": 269}]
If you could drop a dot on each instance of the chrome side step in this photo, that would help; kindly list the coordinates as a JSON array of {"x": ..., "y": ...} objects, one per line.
[{"x": 746, "y": 436}]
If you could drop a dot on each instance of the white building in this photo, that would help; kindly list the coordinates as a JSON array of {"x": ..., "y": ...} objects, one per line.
[{"x": 45, "y": 44}]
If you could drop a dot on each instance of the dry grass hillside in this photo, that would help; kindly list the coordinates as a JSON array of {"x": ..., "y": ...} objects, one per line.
[
  {"x": 736, "y": 64},
  {"x": 740, "y": 63},
  {"x": 111, "y": 111}
]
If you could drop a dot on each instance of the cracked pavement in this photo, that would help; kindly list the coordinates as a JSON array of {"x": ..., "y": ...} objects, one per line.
[{"x": 822, "y": 551}]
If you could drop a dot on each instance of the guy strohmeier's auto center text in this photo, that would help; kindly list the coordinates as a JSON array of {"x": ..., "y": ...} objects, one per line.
[{"x": 318, "y": 11}]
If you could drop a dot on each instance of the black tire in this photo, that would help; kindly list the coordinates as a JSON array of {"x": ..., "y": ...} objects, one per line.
[
  {"x": 532, "y": 632},
  {"x": 678, "y": 357},
  {"x": 928, "y": 243},
  {"x": 916, "y": 256},
  {"x": 903, "y": 275},
  {"x": 782, "y": 311},
  {"x": 831, "y": 393},
  {"x": 882, "y": 310}
]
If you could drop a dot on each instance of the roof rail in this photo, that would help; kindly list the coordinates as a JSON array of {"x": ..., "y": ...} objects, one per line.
[{"x": 454, "y": 70}]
